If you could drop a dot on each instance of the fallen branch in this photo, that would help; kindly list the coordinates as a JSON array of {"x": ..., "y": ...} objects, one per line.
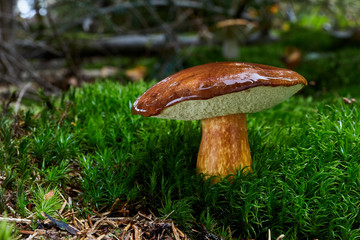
[{"x": 127, "y": 44}]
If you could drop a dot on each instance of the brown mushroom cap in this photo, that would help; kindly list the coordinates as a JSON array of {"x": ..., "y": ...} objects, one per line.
[
  {"x": 234, "y": 22},
  {"x": 218, "y": 89}
]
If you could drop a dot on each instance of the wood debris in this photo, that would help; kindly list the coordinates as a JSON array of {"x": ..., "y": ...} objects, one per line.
[{"x": 100, "y": 227}]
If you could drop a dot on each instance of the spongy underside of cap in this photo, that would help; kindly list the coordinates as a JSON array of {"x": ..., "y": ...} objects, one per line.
[{"x": 247, "y": 101}]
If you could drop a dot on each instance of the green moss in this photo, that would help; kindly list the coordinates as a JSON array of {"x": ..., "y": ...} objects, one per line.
[{"x": 305, "y": 179}]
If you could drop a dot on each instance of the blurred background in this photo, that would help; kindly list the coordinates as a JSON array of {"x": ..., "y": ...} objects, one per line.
[{"x": 58, "y": 44}]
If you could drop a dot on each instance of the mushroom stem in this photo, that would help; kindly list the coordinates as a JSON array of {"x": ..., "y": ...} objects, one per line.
[
  {"x": 224, "y": 146},
  {"x": 230, "y": 48}
]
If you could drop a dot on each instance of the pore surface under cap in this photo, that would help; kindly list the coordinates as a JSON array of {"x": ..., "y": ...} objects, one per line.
[
  {"x": 196, "y": 87},
  {"x": 249, "y": 101}
]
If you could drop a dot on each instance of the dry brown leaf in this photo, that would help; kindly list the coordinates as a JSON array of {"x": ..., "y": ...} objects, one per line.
[
  {"x": 49, "y": 195},
  {"x": 137, "y": 73},
  {"x": 292, "y": 57}
]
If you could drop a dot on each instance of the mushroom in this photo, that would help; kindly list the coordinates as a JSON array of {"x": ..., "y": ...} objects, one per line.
[
  {"x": 232, "y": 33},
  {"x": 220, "y": 95}
]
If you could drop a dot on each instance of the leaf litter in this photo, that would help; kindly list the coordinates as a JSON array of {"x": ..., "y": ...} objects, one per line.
[{"x": 101, "y": 226}]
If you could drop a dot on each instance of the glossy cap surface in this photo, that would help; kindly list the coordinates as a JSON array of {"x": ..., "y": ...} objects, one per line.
[{"x": 218, "y": 89}]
